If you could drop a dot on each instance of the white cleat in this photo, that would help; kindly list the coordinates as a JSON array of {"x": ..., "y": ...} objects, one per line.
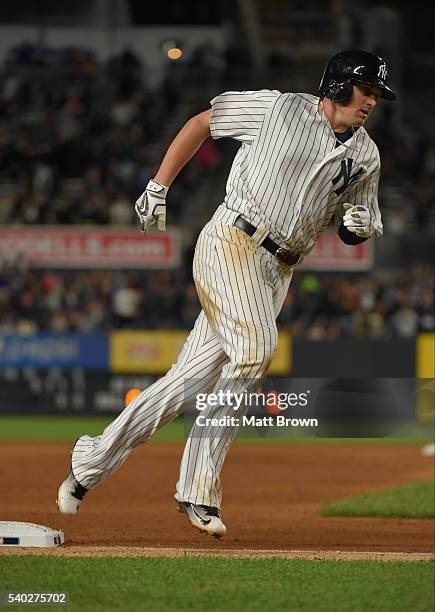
[
  {"x": 70, "y": 495},
  {"x": 204, "y": 518}
]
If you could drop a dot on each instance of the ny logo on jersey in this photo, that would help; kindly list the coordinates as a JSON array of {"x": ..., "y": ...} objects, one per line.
[
  {"x": 382, "y": 72},
  {"x": 345, "y": 174}
]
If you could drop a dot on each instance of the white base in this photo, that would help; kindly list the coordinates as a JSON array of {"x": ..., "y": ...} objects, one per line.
[
  {"x": 428, "y": 450},
  {"x": 15, "y": 533}
]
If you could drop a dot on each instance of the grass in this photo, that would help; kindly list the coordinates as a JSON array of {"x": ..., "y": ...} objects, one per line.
[
  {"x": 16, "y": 428},
  {"x": 410, "y": 500},
  {"x": 228, "y": 584},
  {"x": 69, "y": 428}
]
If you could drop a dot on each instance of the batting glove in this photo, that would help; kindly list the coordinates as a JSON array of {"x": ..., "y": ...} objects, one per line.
[
  {"x": 151, "y": 207},
  {"x": 357, "y": 220}
]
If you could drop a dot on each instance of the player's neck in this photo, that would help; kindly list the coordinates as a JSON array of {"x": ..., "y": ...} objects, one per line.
[{"x": 329, "y": 110}]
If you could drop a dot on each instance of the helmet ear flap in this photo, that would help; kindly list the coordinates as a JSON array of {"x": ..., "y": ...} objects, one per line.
[{"x": 339, "y": 92}]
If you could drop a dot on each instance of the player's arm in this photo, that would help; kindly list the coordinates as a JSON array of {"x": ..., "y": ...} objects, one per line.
[
  {"x": 361, "y": 219},
  {"x": 183, "y": 147},
  {"x": 151, "y": 205}
]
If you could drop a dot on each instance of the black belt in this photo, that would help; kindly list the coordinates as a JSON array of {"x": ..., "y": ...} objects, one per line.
[{"x": 283, "y": 255}]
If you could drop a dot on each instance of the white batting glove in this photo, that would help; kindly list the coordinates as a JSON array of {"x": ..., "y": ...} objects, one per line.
[
  {"x": 357, "y": 220},
  {"x": 151, "y": 207}
]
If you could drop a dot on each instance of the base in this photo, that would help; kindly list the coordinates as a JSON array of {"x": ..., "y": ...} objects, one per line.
[
  {"x": 428, "y": 450},
  {"x": 16, "y": 533}
]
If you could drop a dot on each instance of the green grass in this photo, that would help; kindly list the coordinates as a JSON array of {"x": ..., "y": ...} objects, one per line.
[
  {"x": 55, "y": 428},
  {"x": 68, "y": 428},
  {"x": 410, "y": 500},
  {"x": 227, "y": 584}
]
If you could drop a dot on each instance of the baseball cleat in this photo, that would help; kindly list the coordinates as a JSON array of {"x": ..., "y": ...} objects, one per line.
[
  {"x": 204, "y": 518},
  {"x": 70, "y": 495}
]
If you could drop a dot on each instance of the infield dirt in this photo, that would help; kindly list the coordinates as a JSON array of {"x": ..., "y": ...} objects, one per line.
[{"x": 271, "y": 495}]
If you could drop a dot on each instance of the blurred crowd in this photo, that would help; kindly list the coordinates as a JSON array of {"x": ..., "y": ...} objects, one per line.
[
  {"x": 79, "y": 139},
  {"x": 407, "y": 185},
  {"x": 330, "y": 306},
  {"x": 318, "y": 306}
]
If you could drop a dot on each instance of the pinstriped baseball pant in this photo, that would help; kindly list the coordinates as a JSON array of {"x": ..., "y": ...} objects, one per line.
[{"x": 241, "y": 287}]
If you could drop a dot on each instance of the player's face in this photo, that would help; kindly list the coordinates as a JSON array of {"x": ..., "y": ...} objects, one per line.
[{"x": 362, "y": 103}]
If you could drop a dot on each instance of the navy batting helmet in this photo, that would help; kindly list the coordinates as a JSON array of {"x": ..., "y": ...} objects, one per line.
[{"x": 349, "y": 67}]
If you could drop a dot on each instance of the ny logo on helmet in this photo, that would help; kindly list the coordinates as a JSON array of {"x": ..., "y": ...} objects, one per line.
[{"x": 382, "y": 72}]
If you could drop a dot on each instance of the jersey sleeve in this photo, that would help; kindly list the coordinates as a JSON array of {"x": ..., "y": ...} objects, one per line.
[
  {"x": 364, "y": 193},
  {"x": 240, "y": 114}
]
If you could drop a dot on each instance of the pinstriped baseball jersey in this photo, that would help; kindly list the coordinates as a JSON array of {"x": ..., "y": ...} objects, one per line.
[
  {"x": 288, "y": 175},
  {"x": 289, "y": 179}
]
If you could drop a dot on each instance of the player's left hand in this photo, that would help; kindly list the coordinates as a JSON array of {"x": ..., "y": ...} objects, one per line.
[
  {"x": 151, "y": 207},
  {"x": 357, "y": 220}
]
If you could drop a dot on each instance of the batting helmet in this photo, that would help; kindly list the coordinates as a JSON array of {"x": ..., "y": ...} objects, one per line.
[{"x": 349, "y": 67}]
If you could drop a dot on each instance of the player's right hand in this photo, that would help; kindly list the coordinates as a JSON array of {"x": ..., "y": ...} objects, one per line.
[{"x": 150, "y": 207}]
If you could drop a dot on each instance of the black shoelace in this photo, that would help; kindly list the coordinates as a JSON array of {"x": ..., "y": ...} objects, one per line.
[
  {"x": 79, "y": 492},
  {"x": 210, "y": 510}
]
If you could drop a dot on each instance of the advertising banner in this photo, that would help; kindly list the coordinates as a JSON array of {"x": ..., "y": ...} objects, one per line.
[
  {"x": 56, "y": 247},
  {"x": 425, "y": 355},
  {"x": 155, "y": 351},
  {"x": 330, "y": 253},
  {"x": 150, "y": 352},
  {"x": 144, "y": 351},
  {"x": 47, "y": 350}
]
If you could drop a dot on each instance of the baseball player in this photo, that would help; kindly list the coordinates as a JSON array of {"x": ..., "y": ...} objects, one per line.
[{"x": 303, "y": 161}]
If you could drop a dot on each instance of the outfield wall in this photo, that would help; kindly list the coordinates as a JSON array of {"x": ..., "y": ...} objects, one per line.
[
  {"x": 90, "y": 374},
  {"x": 153, "y": 352}
]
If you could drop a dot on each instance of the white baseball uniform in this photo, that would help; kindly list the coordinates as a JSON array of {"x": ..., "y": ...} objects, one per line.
[{"x": 289, "y": 178}]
